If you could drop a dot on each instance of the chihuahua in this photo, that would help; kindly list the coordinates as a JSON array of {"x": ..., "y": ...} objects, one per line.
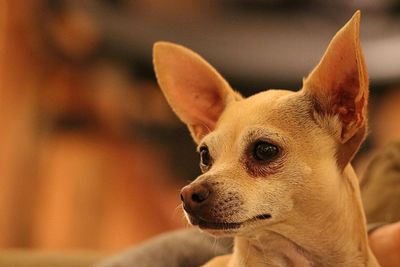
[{"x": 276, "y": 165}]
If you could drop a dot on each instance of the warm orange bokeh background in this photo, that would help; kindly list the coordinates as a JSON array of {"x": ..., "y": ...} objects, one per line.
[
  {"x": 86, "y": 187},
  {"x": 79, "y": 165}
]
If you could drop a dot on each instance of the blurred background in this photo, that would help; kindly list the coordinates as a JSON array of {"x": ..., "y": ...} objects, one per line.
[{"x": 91, "y": 156}]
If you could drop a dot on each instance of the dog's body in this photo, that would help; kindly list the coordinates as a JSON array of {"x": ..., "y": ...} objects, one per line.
[{"x": 276, "y": 170}]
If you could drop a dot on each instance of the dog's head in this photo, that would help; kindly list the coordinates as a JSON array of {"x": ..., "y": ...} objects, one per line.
[{"x": 277, "y": 155}]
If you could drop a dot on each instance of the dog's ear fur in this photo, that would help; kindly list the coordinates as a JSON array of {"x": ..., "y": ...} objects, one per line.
[
  {"x": 339, "y": 89},
  {"x": 194, "y": 89}
]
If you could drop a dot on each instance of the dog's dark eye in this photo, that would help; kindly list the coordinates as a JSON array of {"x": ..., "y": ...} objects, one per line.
[
  {"x": 205, "y": 158},
  {"x": 264, "y": 151}
]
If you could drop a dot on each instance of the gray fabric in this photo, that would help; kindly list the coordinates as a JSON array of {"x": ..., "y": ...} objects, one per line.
[
  {"x": 380, "y": 187},
  {"x": 184, "y": 248}
]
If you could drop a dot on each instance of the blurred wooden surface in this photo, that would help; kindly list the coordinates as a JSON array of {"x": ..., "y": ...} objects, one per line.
[
  {"x": 92, "y": 189},
  {"x": 19, "y": 82},
  {"x": 96, "y": 192}
]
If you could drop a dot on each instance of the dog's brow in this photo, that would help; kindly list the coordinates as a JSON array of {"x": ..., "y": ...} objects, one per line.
[
  {"x": 209, "y": 141},
  {"x": 254, "y": 133}
]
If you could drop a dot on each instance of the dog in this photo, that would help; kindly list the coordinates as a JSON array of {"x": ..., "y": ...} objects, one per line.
[{"x": 276, "y": 170}]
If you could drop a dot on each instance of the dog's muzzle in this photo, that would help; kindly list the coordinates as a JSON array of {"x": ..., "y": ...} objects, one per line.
[{"x": 205, "y": 211}]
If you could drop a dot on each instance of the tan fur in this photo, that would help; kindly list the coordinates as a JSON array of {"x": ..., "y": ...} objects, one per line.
[{"x": 310, "y": 190}]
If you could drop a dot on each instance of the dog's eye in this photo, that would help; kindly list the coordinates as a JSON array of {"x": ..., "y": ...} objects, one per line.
[
  {"x": 264, "y": 151},
  {"x": 205, "y": 158}
]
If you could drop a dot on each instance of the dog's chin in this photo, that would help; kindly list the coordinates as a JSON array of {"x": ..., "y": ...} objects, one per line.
[{"x": 220, "y": 228}]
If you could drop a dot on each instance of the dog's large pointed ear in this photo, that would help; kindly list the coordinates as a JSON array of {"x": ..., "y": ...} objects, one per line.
[
  {"x": 194, "y": 89},
  {"x": 339, "y": 88}
]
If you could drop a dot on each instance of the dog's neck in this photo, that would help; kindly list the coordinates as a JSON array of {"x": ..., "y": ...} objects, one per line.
[
  {"x": 269, "y": 250},
  {"x": 337, "y": 238}
]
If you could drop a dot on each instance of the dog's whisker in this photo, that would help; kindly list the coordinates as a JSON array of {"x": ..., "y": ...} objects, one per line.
[
  {"x": 214, "y": 245},
  {"x": 178, "y": 207},
  {"x": 177, "y": 210}
]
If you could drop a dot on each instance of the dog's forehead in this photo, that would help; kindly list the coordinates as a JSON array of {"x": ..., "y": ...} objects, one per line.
[
  {"x": 270, "y": 107},
  {"x": 281, "y": 113}
]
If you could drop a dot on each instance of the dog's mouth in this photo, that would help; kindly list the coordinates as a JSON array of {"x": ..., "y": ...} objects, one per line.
[{"x": 208, "y": 225}]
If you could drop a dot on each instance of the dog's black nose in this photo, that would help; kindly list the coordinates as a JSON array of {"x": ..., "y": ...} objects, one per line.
[{"x": 194, "y": 195}]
